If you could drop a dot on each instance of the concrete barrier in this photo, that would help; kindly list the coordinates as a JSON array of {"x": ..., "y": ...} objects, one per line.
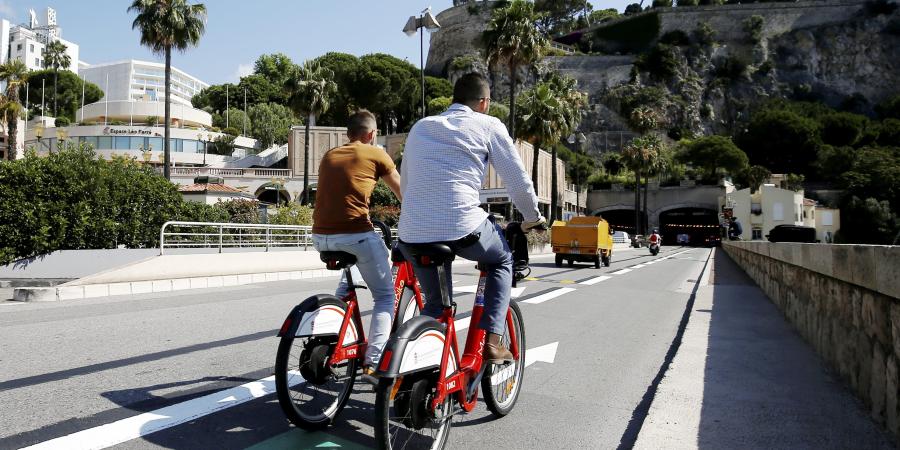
[{"x": 845, "y": 301}]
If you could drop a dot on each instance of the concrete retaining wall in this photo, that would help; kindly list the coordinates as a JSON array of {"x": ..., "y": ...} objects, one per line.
[{"x": 845, "y": 301}]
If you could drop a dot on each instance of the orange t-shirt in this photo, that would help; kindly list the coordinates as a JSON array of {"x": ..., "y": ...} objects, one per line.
[{"x": 347, "y": 177}]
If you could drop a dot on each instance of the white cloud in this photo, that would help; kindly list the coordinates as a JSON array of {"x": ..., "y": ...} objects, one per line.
[{"x": 242, "y": 71}]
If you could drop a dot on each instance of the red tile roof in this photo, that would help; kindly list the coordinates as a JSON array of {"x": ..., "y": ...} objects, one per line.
[
  {"x": 809, "y": 202},
  {"x": 212, "y": 187}
]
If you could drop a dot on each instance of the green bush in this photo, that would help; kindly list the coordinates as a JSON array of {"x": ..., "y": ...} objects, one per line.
[
  {"x": 660, "y": 62},
  {"x": 382, "y": 196},
  {"x": 240, "y": 210},
  {"x": 704, "y": 34},
  {"x": 688, "y": 2},
  {"x": 889, "y": 133},
  {"x": 62, "y": 122},
  {"x": 781, "y": 140},
  {"x": 890, "y": 108},
  {"x": 753, "y": 25},
  {"x": 388, "y": 214},
  {"x": 632, "y": 36},
  {"x": 293, "y": 214},
  {"x": 72, "y": 200},
  {"x": 675, "y": 37},
  {"x": 732, "y": 67}
]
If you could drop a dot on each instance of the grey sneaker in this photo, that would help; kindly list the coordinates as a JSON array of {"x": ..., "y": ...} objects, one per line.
[{"x": 368, "y": 375}]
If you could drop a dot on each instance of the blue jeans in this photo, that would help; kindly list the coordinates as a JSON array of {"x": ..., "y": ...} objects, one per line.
[
  {"x": 373, "y": 262},
  {"x": 493, "y": 254}
]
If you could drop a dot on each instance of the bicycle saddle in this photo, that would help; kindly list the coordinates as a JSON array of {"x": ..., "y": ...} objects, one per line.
[
  {"x": 429, "y": 254},
  {"x": 337, "y": 260}
]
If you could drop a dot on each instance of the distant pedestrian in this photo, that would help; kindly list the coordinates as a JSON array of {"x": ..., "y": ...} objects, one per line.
[{"x": 735, "y": 230}]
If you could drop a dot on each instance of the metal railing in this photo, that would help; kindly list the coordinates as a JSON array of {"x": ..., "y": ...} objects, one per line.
[
  {"x": 220, "y": 236},
  {"x": 251, "y": 173}
]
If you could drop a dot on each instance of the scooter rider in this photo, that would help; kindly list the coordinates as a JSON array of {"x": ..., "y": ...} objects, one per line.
[
  {"x": 444, "y": 163},
  {"x": 655, "y": 238}
]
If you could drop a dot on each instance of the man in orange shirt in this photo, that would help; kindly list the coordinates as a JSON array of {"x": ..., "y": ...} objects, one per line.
[{"x": 347, "y": 177}]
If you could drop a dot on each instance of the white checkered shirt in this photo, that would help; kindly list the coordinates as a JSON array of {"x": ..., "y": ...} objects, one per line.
[{"x": 443, "y": 168}]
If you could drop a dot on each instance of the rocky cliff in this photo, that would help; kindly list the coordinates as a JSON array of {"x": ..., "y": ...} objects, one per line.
[{"x": 707, "y": 66}]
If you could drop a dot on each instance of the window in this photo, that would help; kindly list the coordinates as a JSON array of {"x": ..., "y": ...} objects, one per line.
[
  {"x": 175, "y": 145},
  {"x": 31, "y": 48},
  {"x": 19, "y": 47},
  {"x": 90, "y": 140},
  {"x": 189, "y": 146},
  {"x": 137, "y": 143},
  {"x": 756, "y": 234},
  {"x": 827, "y": 218},
  {"x": 755, "y": 209},
  {"x": 104, "y": 143},
  {"x": 155, "y": 143},
  {"x": 778, "y": 211},
  {"x": 121, "y": 142}
]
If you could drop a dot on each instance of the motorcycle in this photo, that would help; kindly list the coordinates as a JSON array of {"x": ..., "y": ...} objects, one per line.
[{"x": 654, "y": 248}]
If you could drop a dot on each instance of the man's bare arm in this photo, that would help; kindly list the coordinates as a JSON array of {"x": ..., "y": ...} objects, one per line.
[{"x": 392, "y": 180}]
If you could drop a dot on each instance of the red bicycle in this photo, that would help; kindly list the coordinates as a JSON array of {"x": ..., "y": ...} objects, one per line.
[
  {"x": 424, "y": 381},
  {"x": 323, "y": 344}
]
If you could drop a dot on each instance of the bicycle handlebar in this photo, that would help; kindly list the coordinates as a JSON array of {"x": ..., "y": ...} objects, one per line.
[{"x": 385, "y": 232}]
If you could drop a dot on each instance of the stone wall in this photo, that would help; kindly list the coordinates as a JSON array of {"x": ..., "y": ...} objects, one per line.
[
  {"x": 845, "y": 301},
  {"x": 778, "y": 18}
]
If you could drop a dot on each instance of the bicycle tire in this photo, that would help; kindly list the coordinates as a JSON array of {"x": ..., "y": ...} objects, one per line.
[
  {"x": 503, "y": 405},
  {"x": 285, "y": 373},
  {"x": 407, "y": 308}
]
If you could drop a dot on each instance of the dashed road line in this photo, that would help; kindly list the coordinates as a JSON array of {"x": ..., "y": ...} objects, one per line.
[
  {"x": 595, "y": 280},
  {"x": 622, "y": 272},
  {"x": 548, "y": 296}
]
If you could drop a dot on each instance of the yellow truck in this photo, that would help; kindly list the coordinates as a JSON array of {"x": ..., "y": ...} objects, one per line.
[{"x": 583, "y": 239}]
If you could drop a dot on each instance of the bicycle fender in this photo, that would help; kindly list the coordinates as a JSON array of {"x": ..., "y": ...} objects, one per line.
[
  {"x": 417, "y": 346},
  {"x": 319, "y": 315}
]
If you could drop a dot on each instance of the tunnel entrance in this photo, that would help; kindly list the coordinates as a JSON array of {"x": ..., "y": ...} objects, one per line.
[
  {"x": 620, "y": 219},
  {"x": 689, "y": 226}
]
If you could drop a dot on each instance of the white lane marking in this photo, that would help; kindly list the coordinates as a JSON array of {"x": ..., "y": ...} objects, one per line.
[
  {"x": 544, "y": 353},
  {"x": 463, "y": 323},
  {"x": 471, "y": 289},
  {"x": 548, "y": 296},
  {"x": 621, "y": 272},
  {"x": 143, "y": 424},
  {"x": 637, "y": 266},
  {"x": 595, "y": 280},
  {"x": 11, "y": 303}
]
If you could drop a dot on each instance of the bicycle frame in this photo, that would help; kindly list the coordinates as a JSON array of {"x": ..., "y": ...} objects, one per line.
[
  {"x": 358, "y": 349},
  {"x": 405, "y": 277},
  {"x": 472, "y": 361}
]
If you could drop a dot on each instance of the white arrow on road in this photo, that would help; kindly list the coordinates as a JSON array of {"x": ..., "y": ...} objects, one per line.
[{"x": 544, "y": 353}]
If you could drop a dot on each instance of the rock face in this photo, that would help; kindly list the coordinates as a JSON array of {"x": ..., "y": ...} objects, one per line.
[{"x": 828, "y": 50}]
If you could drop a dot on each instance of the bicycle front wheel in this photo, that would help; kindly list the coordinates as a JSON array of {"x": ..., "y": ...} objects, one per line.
[
  {"x": 311, "y": 391},
  {"x": 502, "y": 383},
  {"x": 403, "y": 415}
]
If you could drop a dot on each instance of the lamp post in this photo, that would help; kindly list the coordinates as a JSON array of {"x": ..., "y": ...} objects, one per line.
[
  {"x": 39, "y": 133},
  {"x": 427, "y": 21},
  {"x": 205, "y": 144},
  {"x": 61, "y": 136},
  {"x": 581, "y": 139}
]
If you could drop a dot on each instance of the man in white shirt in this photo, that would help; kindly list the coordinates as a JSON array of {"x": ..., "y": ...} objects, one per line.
[{"x": 444, "y": 162}]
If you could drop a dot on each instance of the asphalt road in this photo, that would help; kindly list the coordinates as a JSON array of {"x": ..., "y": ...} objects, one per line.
[{"x": 99, "y": 366}]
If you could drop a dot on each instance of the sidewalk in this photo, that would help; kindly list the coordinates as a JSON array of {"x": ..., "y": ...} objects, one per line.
[{"x": 743, "y": 378}]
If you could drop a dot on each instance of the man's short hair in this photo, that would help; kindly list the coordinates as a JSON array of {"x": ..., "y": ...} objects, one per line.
[
  {"x": 471, "y": 87},
  {"x": 360, "y": 123}
]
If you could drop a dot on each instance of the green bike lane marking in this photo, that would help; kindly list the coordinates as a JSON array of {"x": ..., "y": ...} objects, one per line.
[{"x": 297, "y": 439}]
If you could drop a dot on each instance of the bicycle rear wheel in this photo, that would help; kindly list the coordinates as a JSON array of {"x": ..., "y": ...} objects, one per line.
[
  {"x": 403, "y": 419},
  {"x": 310, "y": 391},
  {"x": 502, "y": 383}
]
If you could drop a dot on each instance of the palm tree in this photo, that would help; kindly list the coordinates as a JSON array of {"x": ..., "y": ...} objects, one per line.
[
  {"x": 638, "y": 156},
  {"x": 55, "y": 56},
  {"x": 513, "y": 40},
  {"x": 644, "y": 119},
  {"x": 551, "y": 110},
  {"x": 311, "y": 92},
  {"x": 166, "y": 25},
  {"x": 15, "y": 74}
]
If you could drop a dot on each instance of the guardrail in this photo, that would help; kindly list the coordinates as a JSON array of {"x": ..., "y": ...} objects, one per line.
[{"x": 220, "y": 236}]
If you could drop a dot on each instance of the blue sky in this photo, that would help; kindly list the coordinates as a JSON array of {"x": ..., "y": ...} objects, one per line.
[{"x": 238, "y": 31}]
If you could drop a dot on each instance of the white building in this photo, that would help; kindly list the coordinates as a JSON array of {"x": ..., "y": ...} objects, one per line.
[
  {"x": 26, "y": 42},
  {"x": 134, "y": 80}
]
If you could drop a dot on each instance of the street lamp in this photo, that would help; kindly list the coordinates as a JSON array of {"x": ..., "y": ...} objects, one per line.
[
  {"x": 427, "y": 21},
  {"x": 205, "y": 144},
  {"x": 146, "y": 152},
  {"x": 581, "y": 139},
  {"x": 61, "y": 135},
  {"x": 39, "y": 133}
]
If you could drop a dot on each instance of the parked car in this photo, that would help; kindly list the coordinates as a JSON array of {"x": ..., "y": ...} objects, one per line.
[
  {"x": 792, "y": 233},
  {"x": 638, "y": 241}
]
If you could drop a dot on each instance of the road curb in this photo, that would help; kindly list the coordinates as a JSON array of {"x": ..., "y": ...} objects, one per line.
[{"x": 59, "y": 293}]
